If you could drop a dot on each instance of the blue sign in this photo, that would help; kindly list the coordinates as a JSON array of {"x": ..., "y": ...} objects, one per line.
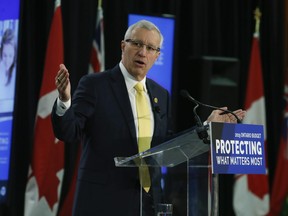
[
  {"x": 237, "y": 148},
  {"x": 5, "y": 146},
  {"x": 9, "y": 22}
]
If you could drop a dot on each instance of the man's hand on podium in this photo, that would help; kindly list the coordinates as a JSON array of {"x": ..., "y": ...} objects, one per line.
[{"x": 220, "y": 116}]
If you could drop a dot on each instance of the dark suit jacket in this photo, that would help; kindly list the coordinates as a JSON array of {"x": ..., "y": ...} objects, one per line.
[{"x": 101, "y": 116}]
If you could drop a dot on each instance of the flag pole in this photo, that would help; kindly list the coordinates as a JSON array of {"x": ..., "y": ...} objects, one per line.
[
  {"x": 99, "y": 3},
  {"x": 257, "y": 17}
]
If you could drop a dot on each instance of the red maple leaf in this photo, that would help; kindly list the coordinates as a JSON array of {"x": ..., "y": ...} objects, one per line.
[{"x": 48, "y": 159}]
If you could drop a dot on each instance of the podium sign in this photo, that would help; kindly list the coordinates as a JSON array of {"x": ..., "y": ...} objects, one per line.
[
  {"x": 237, "y": 148},
  {"x": 180, "y": 177}
]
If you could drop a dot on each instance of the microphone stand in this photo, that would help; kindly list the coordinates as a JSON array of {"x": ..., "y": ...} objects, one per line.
[
  {"x": 201, "y": 129},
  {"x": 186, "y": 94},
  {"x": 203, "y": 134}
]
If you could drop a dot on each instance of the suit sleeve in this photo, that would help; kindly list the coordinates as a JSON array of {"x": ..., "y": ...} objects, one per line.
[{"x": 69, "y": 127}]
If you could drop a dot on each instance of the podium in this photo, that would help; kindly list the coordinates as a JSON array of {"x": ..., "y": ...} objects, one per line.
[{"x": 180, "y": 175}]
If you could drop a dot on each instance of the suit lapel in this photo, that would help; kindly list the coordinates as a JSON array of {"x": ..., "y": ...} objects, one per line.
[
  {"x": 155, "y": 107},
  {"x": 120, "y": 90}
]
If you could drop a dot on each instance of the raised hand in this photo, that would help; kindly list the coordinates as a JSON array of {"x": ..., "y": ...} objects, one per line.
[{"x": 62, "y": 83}]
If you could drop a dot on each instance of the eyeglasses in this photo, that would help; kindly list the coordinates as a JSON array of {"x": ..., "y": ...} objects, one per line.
[{"x": 139, "y": 44}]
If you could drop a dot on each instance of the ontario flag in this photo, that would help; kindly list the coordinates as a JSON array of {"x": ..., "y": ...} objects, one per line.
[
  {"x": 279, "y": 195},
  {"x": 97, "y": 58},
  {"x": 46, "y": 167},
  {"x": 251, "y": 192}
]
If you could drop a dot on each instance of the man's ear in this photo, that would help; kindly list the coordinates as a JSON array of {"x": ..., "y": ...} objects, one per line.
[
  {"x": 122, "y": 45},
  {"x": 158, "y": 54}
]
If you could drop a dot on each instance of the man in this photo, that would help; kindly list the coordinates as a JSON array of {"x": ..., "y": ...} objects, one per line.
[{"x": 104, "y": 115}]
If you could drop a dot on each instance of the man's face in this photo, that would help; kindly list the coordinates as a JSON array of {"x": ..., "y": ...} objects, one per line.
[{"x": 139, "y": 53}]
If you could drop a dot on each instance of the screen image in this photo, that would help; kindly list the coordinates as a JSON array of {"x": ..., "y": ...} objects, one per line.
[
  {"x": 162, "y": 70},
  {"x": 9, "y": 22}
]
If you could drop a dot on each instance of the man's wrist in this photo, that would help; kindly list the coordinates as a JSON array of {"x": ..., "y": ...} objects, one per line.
[
  {"x": 62, "y": 99},
  {"x": 62, "y": 106}
]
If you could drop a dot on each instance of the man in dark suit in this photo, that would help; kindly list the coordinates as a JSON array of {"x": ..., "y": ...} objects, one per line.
[{"x": 103, "y": 114}]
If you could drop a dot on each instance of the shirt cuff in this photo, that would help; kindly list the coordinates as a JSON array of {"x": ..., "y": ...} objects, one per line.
[{"x": 62, "y": 107}]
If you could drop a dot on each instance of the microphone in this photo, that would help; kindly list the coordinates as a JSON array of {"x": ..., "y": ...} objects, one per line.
[
  {"x": 201, "y": 129},
  {"x": 186, "y": 95},
  {"x": 156, "y": 109}
]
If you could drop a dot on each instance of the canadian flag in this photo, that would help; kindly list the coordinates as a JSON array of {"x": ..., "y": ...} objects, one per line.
[
  {"x": 251, "y": 192},
  {"x": 46, "y": 168}
]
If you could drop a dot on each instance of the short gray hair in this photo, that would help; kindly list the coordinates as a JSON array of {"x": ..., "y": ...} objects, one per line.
[{"x": 146, "y": 25}]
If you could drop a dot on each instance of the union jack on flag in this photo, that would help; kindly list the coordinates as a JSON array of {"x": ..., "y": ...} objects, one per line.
[{"x": 97, "y": 60}]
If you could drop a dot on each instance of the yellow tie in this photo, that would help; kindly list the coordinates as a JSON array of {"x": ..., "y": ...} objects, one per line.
[{"x": 144, "y": 132}]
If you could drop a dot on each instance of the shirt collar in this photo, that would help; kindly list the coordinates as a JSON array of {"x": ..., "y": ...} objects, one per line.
[{"x": 130, "y": 80}]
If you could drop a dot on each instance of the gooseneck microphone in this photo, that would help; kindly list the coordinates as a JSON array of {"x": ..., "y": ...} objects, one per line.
[
  {"x": 186, "y": 95},
  {"x": 201, "y": 129}
]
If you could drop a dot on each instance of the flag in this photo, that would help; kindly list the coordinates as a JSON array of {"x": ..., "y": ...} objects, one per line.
[
  {"x": 68, "y": 198},
  {"x": 279, "y": 195},
  {"x": 97, "y": 58},
  {"x": 97, "y": 64},
  {"x": 46, "y": 167},
  {"x": 251, "y": 192}
]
